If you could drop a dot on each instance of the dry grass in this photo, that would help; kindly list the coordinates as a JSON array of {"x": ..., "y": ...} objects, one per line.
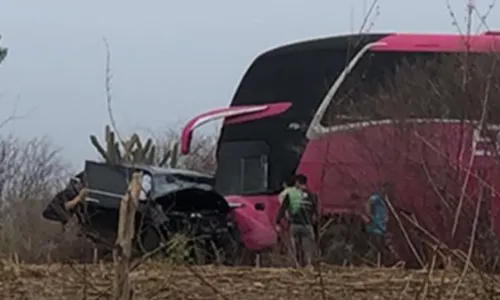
[{"x": 160, "y": 281}]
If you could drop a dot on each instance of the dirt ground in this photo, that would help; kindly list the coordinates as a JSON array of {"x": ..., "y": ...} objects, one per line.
[{"x": 156, "y": 281}]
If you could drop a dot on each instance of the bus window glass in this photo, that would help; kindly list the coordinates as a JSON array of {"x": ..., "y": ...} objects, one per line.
[
  {"x": 244, "y": 169},
  {"x": 386, "y": 85}
]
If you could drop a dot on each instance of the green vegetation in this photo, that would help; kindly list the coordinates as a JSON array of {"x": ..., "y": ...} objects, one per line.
[{"x": 3, "y": 52}]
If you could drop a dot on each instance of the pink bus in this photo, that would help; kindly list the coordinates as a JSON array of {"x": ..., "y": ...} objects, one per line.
[{"x": 280, "y": 123}]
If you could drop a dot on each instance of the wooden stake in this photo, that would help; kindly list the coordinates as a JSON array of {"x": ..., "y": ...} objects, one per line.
[
  {"x": 122, "y": 289},
  {"x": 95, "y": 258}
]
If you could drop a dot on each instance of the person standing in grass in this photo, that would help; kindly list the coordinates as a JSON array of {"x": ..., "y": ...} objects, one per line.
[
  {"x": 378, "y": 217},
  {"x": 301, "y": 206}
]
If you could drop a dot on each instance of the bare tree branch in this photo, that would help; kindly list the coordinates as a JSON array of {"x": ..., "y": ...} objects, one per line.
[
  {"x": 484, "y": 17},
  {"x": 13, "y": 116},
  {"x": 108, "y": 77},
  {"x": 366, "y": 23}
]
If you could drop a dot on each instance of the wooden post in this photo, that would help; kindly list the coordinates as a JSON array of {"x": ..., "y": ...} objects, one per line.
[
  {"x": 95, "y": 257},
  {"x": 122, "y": 289}
]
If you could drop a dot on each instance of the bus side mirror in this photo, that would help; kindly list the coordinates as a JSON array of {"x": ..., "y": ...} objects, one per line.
[{"x": 260, "y": 206}]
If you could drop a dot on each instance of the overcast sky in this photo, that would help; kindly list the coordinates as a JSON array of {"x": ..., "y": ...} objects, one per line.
[{"x": 170, "y": 59}]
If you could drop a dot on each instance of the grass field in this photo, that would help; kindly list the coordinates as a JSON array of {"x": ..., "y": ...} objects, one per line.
[{"x": 157, "y": 281}]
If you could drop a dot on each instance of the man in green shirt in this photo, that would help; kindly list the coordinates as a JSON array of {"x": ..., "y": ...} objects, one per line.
[{"x": 301, "y": 205}]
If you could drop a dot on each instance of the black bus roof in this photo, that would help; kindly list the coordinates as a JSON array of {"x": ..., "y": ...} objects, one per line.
[{"x": 324, "y": 43}]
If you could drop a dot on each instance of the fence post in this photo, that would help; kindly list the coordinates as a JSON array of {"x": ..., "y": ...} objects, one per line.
[{"x": 122, "y": 254}]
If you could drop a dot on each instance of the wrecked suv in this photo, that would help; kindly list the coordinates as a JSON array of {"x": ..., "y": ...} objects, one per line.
[{"x": 172, "y": 202}]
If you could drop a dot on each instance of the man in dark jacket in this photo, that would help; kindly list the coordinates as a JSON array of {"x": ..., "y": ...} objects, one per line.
[
  {"x": 302, "y": 208},
  {"x": 63, "y": 205}
]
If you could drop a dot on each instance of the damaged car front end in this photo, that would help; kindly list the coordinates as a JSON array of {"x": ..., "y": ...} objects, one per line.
[{"x": 172, "y": 203}]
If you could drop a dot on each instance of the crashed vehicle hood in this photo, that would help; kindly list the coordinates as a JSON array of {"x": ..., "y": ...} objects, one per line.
[{"x": 174, "y": 188}]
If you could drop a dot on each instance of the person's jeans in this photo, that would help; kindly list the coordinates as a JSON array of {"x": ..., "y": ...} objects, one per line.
[
  {"x": 377, "y": 247},
  {"x": 303, "y": 242}
]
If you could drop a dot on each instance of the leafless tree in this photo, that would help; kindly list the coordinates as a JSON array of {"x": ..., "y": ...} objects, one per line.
[
  {"x": 203, "y": 150},
  {"x": 31, "y": 172}
]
